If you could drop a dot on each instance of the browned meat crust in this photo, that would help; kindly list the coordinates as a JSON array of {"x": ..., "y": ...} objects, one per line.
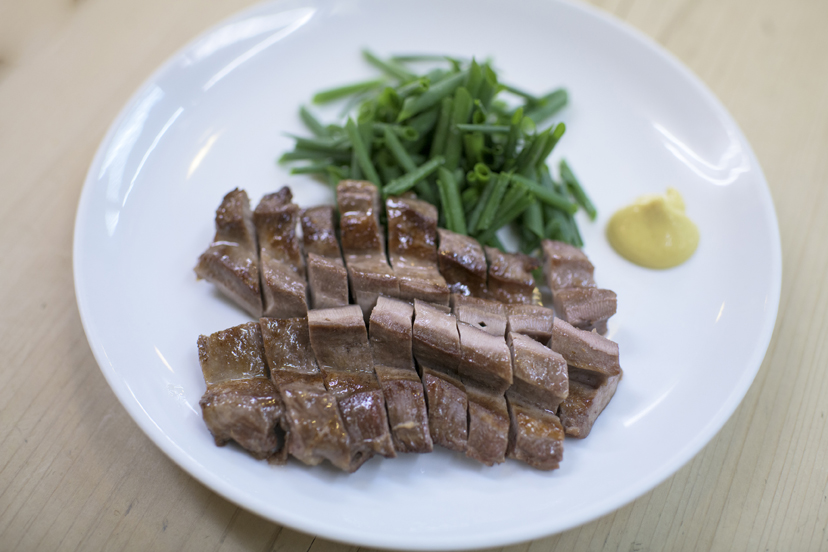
[
  {"x": 535, "y": 436},
  {"x": 233, "y": 354},
  {"x": 484, "y": 359},
  {"x": 583, "y": 405},
  {"x": 586, "y": 308},
  {"x": 447, "y": 409},
  {"x": 488, "y": 425},
  {"x": 566, "y": 266},
  {"x": 391, "y": 333},
  {"x": 534, "y": 321},
  {"x": 510, "y": 276},
  {"x": 436, "y": 342},
  {"x": 585, "y": 350},
  {"x": 327, "y": 277},
  {"x": 405, "y": 403},
  {"x": 412, "y": 250},
  {"x": 462, "y": 263},
  {"x": 231, "y": 262},
  {"x": 540, "y": 374},
  {"x": 489, "y": 316}
]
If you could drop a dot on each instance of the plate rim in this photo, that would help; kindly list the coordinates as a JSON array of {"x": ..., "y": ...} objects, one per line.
[{"x": 185, "y": 461}]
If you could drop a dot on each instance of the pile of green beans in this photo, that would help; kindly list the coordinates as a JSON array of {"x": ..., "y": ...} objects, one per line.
[{"x": 446, "y": 136}]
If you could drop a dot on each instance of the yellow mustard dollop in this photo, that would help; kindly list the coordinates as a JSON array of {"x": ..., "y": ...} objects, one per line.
[{"x": 654, "y": 232}]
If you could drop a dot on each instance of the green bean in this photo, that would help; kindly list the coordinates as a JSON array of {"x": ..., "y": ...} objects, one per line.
[
  {"x": 473, "y": 146},
  {"x": 390, "y": 68},
  {"x": 518, "y": 92},
  {"x": 438, "y": 144},
  {"x": 408, "y": 180},
  {"x": 453, "y": 206},
  {"x": 302, "y": 154},
  {"x": 552, "y": 141},
  {"x": 545, "y": 195},
  {"x": 474, "y": 217},
  {"x": 460, "y": 114},
  {"x": 348, "y": 90},
  {"x": 483, "y": 172},
  {"x": 508, "y": 214},
  {"x": 489, "y": 210},
  {"x": 548, "y": 106},
  {"x": 312, "y": 169},
  {"x": 432, "y": 96},
  {"x": 397, "y": 150},
  {"x": 526, "y": 166},
  {"x": 576, "y": 190},
  {"x": 313, "y": 124},
  {"x": 486, "y": 129},
  {"x": 417, "y": 86},
  {"x": 405, "y": 132},
  {"x": 324, "y": 144},
  {"x": 533, "y": 219},
  {"x": 474, "y": 79},
  {"x": 425, "y": 121},
  {"x": 469, "y": 197},
  {"x": 489, "y": 86},
  {"x": 361, "y": 151},
  {"x": 514, "y": 134}
]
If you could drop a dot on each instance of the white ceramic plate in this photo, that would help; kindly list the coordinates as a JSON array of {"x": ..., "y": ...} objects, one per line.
[{"x": 214, "y": 117}]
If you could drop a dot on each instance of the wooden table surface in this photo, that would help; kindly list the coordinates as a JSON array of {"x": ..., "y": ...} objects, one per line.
[{"x": 77, "y": 473}]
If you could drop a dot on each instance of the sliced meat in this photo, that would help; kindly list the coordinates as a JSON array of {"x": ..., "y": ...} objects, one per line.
[
  {"x": 231, "y": 263},
  {"x": 489, "y": 316},
  {"x": 510, "y": 276},
  {"x": 488, "y": 425},
  {"x": 435, "y": 340},
  {"x": 340, "y": 343},
  {"x": 583, "y": 405},
  {"x": 532, "y": 320},
  {"x": 586, "y": 308},
  {"x": 540, "y": 374},
  {"x": 412, "y": 250},
  {"x": 484, "y": 359},
  {"x": 462, "y": 263},
  {"x": 405, "y": 403},
  {"x": 240, "y": 403},
  {"x": 566, "y": 266},
  {"x": 585, "y": 350},
  {"x": 391, "y": 333},
  {"x": 535, "y": 436},
  {"x": 327, "y": 277},
  {"x": 315, "y": 429},
  {"x": 280, "y": 260},
  {"x": 447, "y": 409},
  {"x": 363, "y": 245}
]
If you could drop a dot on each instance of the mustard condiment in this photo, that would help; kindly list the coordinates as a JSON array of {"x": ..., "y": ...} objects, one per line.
[{"x": 654, "y": 232}]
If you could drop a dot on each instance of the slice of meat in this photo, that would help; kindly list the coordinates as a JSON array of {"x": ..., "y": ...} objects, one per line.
[
  {"x": 489, "y": 316},
  {"x": 391, "y": 333},
  {"x": 540, "y": 374},
  {"x": 246, "y": 411},
  {"x": 535, "y": 436},
  {"x": 566, "y": 266},
  {"x": 583, "y": 405},
  {"x": 484, "y": 359},
  {"x": 585, "y": 350},
  {"x": 327, "y": 277},
  {"x": 363, "y": 245},
  {"x": 340, "y": 343},
  {"x": 462, "y": 263},
  {"x": 231, "y": 263},
  {"x": 532, "y": 320},
  {"x": 447, "y": 409},
  {"x": 510, "y": 276},
  {"x": 412, "y": 250},
  {"x": 240, "y": 403},
  {"x": 284, "y": 288},
  {"x": 405, "y": 403},
  {"x": 315, "y": 429},
  {"x": 435, "y": 340},
  {"x": 586, "y": 308},
  {"x": 488, "y": 425}
]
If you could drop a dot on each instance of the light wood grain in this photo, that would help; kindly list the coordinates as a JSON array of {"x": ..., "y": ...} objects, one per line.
[{"x": 77, "y": 474}]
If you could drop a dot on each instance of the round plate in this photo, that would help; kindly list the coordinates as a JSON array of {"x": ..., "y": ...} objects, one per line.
[{"x": 214, "y": 118}]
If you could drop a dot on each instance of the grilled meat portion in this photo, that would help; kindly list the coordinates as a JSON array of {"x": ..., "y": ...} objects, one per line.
[
  {"x": 391, "y": 334},
  {"x": 436, "y": 342},
  {"x": 241, "y": 403},
  {"x": 586, "y": 308},
  {"x": 488, "y": 425},
  {"x": 535, "y": 436},
  {"x": 447, "y": 409},
  {"x": 534, "y": 321},
  {"x": 588, "y": 351},
  {"x": 327, "y": 277},
  {"x": 231, "y": 263},
  {"x": 280, "y": 260},
  {"x": 363, "y": 245},
  {"x": 340, "y": 342},
  {"x": 412, "y": 250},
  {"x": 405, "y": 403},
  {"x": 489, "y": 316},
  {"x": 583, "y": 405},
  {"x": 315, "y": 429},
  {"x": 484, "y": 359},
  {"x": 462, "y": 263},
  {"x": 510, "y": 276},
  {"x": 540, "y": 374},
  {"x": 566, "y": 266}
]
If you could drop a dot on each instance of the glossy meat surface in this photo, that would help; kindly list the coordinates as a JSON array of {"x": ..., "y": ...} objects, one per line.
[
  {"x": 327, "y": 276},
  {"x": 462, "y": 263},
  {"x": 236, "y": 353},
  {"x": 534, "y": 321},
  {"x": 339, "y": 339},
  {"x": 566, "y": 266},
  {"x": 540, "y": 374},
  {"x": 489, "y": 316},
  {"x": 435, "y": 340},
  {"x": 231, "y": 261},
  {"x": 585, "y": 350},
  {"x": 488, "y": 436},
  {"x": 447, "y": 409},
  {"x": 535, "y": 436},
  {"x": 510, "y": 276},
  {"x": 584, "y": 404},
  {"x": 484, "y": 359},
  {"x": 391, "y": 331},
  {"x": 586, "y": 308},
  {"x": 407, "y": 414}
]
